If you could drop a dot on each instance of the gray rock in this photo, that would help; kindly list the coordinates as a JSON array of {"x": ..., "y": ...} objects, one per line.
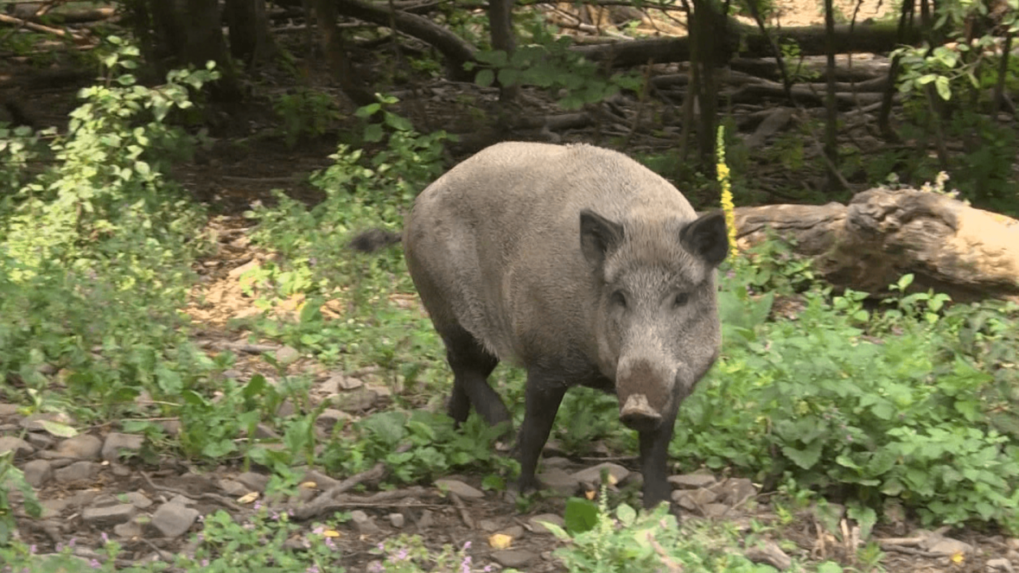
[
  {"x": 559, "y": 480},
  {"x": 556, "y": 462},
  {"x": 397, "y": 520},
  {"x": 515, "y": 558},
  {"x": 365, "y": 524},
  {"x": 52, "y": 507},
  {"x": 173, "y": 519},
  {"x": 182, "y": 501},
  {"x": 171, "y": 427},
  {"x": 715, "y": 510},
  {"x": 80, "y": 447},
  {"x": 38, "y": 473},
  {"x": 129, "y": 530},
  {"x": 117, "y": 444},
  {"x": 329, "y": 417},
  {"x": 693, "y": 499},
  {"x": 999, "y": 565},
  {"x": 287, "y": 354},
  {"x": 535, "y": 523},
  {"x": 514, "y": 531},
  {"x": 489, "y": 525},
  {"x": 735, "y": 491},
  {"x": 233, "y": 487},
  {"x": 946, "y": 546},
  {"x": 321, "y": 480},
  {"x": 253, "y": 481},
  {"x": 264, "y": 431},
  {"x": 78, "y": 471},
  {"x": 592, "y": 475},
  {"x": 7, "y": 410},
  {"x": 338, "y": 382},
  {"x": 692, "y": 481},
  {"x": 427, "y": 520},
  {"x": 40, "y": 440},
  {"x": 110, "y": 515},
  {"x": 356, "y": 401},
  {"x": 20, "y": 447},
  {"x": 459, "y": 488}
]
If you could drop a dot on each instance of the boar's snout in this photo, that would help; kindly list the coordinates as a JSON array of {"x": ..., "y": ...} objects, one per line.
[
  {"x": 638, "y": 414},
  {"x": 645, "y": 390}
]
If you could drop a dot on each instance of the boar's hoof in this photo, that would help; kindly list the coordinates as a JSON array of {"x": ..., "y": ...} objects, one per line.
[{"x": 638, "y": 414}]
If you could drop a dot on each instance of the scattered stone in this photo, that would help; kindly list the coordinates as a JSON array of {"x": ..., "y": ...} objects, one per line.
[
  {"x": 715, "y": 510},
  {"x": 364, "y": 523},
  {"x": 182, "y": 501},
  {"x": 559, "y": 480},
  {"x": 138, "y": 499},
  {"x": 119, "y": 470},
  {"x": 117, "y": 444},
  {"x": 287, "y": 354},
  {"x": 535, "y": 523},
  {"x": 34, "y": 423},
  {"x": 735, "y": 491},
  {"x": 38, "y": 473},
  {"x": 397, "y": 520},
  {"x": 171, "y": 427},
  {"x": 253, "y": 481},
  {"x": 427, "y": 520},
  {"x": 78, "y": 471},
  {"x": 1000, "y": 564},
  {"x": 173, "y": 519},
  {"x": 694, "y": 500},
  {"x": 129, "y": 530},
  {"x": 20, "y": 447},
  {"x": 514, "y": 531},
  {"x": 286, "y": 409},
  {"x": 233, "y": 488},
  {"x": 39, "y": 440},
  {"x": 692, "y": 481},
  {"x": 8, "y": 410},
  {"x": 515, "y": 558},
  {"x": 488, "y": 525},
  {"x": 329, "y": 417},
  {"x": 768, "y": 552},
  {"x": 52, "y": 507},
  {"x": 306, "y": 492},
  {"x": 110, "y": 515},
  {"x": 1012, "y": 543},
  {"x": 459, "y": 488},
  {"x": 592, "y": 475},
  {"x": 357, "y": 401},
  {"x": 338, "y": 382},
  {"x": 80, "y": 447},
  {"x": 946, "y": 546}
]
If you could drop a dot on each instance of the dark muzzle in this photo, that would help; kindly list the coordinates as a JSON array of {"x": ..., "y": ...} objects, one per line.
[{"x": 638, "y": 414}]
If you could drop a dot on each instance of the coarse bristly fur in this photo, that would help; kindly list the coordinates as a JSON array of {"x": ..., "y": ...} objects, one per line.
[{"x": 578, "y": 264}]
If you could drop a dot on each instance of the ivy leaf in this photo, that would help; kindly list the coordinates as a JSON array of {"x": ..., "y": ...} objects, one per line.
[{"x": 484, "y": 78}]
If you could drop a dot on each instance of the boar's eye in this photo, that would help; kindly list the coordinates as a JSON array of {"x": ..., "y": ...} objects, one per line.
[
  {"x": 618, "y": 298},
  {"x": 681, "y": 299}
]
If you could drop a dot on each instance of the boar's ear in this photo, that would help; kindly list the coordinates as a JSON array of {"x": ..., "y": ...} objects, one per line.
[
  {"x": 598, "y": 236},
  {"x": 707, "y": 238}
]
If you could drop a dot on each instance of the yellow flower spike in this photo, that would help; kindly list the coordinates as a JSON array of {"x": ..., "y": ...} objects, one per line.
[{"x": 728, "y": 206}]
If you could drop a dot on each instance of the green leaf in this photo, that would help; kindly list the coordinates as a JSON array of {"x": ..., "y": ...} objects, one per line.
[
  {"x": 581, "y": 515},
  {"x": 58, "y": 429},
  {"x": 508, "y": 76},
  {"x": 943, "y": 87},
  {"x": 829, "y": 567},
  {"x": 484, "y": 78},
  {"x": 626, "y": 514},
  {"x": 807, "y": 457},
  {"x": 373, "y": 132},
  {"x": 926, "y": 79},
  {"x": 368, "y": 110}
]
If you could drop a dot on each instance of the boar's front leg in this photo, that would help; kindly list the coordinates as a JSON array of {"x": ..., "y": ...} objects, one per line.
[
  {"x": 544, "y": 393},
  {"x": 654, "y": 453}
]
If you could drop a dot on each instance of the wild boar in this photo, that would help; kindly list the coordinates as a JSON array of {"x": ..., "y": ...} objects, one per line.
[{"x": 579, "y": 265}]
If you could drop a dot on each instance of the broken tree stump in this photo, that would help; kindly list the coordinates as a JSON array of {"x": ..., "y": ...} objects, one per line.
[{"x": 883, "y": 233}]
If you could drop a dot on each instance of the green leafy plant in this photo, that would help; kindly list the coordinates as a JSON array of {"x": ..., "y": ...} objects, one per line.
[{"x": 305, "y": 113}]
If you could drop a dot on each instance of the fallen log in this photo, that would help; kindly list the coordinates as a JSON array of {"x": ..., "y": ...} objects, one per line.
[{"x": 883, "y": 233}]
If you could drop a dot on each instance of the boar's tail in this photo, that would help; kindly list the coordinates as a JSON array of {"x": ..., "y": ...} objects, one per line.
[{"x": 373, "y": 240}]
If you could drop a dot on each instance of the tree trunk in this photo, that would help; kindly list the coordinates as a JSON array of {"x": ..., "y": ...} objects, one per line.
[
  {"x": 500, "y": 22},
  {"x": 335, "y": 51},
  {"x": 204, "y": 42},
  {"x": 831, "y": 144},
  {"x": 707, "y": 28},
  {"x": 250, "y": 41}
]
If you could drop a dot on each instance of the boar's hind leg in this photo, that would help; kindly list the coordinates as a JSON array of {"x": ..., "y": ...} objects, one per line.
[
  {"x": 471, "y": 365},
  {"x": 543, "y": 396},
  {"x": 654, "y": 453}
]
